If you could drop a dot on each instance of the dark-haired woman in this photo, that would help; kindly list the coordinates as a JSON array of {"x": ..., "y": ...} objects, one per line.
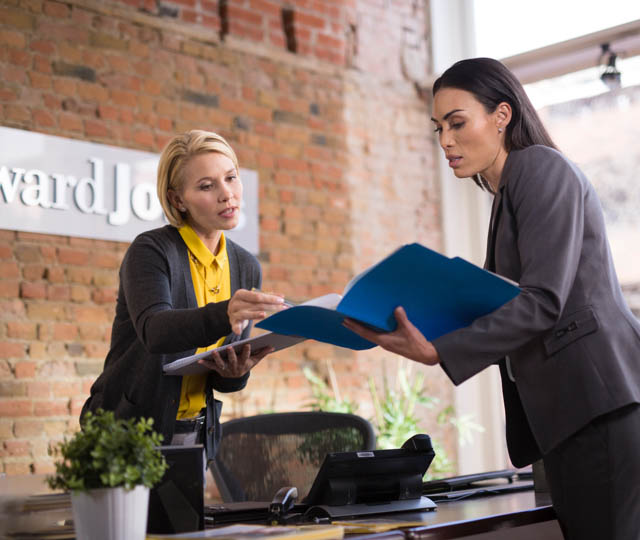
[{"x": 568, "y": 346}]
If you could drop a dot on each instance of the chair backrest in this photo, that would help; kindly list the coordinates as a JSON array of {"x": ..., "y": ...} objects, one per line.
[{"x": 260, "y": 454}]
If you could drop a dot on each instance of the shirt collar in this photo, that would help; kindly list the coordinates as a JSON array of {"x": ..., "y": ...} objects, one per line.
[{"x": 200, "y": 251}]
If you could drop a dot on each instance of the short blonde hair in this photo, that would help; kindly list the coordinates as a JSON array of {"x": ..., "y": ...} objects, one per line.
[{"x": 174, "y": 158}]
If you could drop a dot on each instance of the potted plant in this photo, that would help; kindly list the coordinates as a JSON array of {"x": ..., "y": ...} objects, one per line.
[{"x": 109, "y": 466}]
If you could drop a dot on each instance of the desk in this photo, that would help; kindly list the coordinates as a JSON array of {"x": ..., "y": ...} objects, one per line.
[{"x": 490, "y": 517}]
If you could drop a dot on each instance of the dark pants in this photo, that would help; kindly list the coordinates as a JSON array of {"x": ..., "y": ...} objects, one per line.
[{"x": 594, "y": 478}]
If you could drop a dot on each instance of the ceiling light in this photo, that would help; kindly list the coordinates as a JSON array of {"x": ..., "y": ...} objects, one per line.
[{"x": 610, "y": 75}]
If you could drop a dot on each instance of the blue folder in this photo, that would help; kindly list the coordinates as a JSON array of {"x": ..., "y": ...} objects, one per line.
[{"x": 439, "y": 294}]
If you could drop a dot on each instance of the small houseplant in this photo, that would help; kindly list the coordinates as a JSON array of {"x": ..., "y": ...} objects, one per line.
[{"x": 109, "y": 466}]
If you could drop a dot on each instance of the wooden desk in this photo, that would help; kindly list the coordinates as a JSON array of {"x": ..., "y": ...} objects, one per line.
[{"x": 491, "y": 517}]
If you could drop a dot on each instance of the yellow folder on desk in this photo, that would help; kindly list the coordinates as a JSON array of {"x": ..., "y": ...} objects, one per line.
[{"x": 265, "y": 532}]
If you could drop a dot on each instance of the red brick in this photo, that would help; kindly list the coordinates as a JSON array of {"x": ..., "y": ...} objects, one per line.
[
  {"x": 9, "y": 270},
  {"x": 65, "y": 388},
  {"x": 81, "y": 275},
  {"x": 80, "y": 293},
  {"x": 56, "y": 9},
  {"x": 43, "y": 468},
  {"x": 9, "y": 349},
  {"x": 39, "y": 389},
  {"x": 17, "y": 468},
  {"x": 105, "y": 296},
  {"x": 312, "y": 21},
  {"x": 12, "y": 408},
  {"x": 70, "y": 122},
  {"x": 58, "y": 293},
  {"x": 12, "y": 308},
  {"x": 252, "y": 17},
  {"x": 45, "y": 311},
  {"x": 123, "y": 98},
  {"x": 91, "y": 314},
  {"x": 6, "y": 252},
  {"x": 92, "y": 92},
  {"x": 96, "y": 129},
  {"x": 266, "y": 7},
  {"x": 21, "y": 330},
  {"x": 65, "y": 331},
  {"x": 42, "y": 46},
  {"x": 33, "y": 290},
  {"x": 27, "y": 428},
  {"x": 65, "y": 87},
  {"x": 288, "y": 164},
  {"x": 40, "y": 81},
  {"x": 240, "y": 29},
  {"x": 144, "y": 138},
  {"x": 17, "y": 448},
  {"x": 75, "y": 407},
  {"x": 97, "y": 350},
  {"x": 57, "y": 407},
  {"x": 19, "y": 58},
  {"x": 55, "y": 274},
  {"x": 17, "y": 113},
  {"x": 25, "y": 370},
  {"x": 12, "y": 38},
  {"x": 43, "y": 118},
  {"x": 42, "y": 64},
  {"x": 329, "y": 41},
  {"x": 73, "y": 256}
]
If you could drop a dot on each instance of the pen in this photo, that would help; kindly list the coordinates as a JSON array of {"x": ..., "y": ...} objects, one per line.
[{"x": 286, "y": 301}]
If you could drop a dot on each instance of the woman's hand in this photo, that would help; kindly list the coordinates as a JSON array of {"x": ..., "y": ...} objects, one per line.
[
  {"x": 248, "y": 305},
  {"x": 406, "y": 340},
  {"x": 235, "y": 366}
]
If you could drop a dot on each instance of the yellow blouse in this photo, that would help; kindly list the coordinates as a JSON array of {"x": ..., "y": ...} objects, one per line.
[{"x": 211, "y": 283}]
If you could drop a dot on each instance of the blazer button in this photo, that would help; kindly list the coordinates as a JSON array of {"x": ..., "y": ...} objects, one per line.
[{"x": 210, "y": 430}]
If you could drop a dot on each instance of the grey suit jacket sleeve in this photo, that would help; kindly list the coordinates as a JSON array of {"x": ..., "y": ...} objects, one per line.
[{"x": 544, "y": 220}]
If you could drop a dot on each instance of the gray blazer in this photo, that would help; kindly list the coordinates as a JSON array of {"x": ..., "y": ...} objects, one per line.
[
  {"x": 157, "y": 321},
  {"x": 568, "y": 345}
]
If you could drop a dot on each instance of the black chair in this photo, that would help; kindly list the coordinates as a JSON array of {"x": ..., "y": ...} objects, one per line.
[{"x": 260, "y": 454}]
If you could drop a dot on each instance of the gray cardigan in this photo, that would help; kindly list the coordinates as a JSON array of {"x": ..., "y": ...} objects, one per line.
[
  {"x": 572, "y": 344},
  {"x": 157, "y": 321}
]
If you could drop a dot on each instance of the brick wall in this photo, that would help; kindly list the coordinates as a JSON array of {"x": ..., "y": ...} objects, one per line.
[{"x": 313, "y": 94}]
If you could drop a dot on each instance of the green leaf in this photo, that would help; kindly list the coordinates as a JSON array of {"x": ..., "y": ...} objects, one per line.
[{"x": 109, "y": 452}]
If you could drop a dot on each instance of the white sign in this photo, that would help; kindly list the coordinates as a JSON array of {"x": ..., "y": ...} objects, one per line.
[{"x": 68, "y": 187}]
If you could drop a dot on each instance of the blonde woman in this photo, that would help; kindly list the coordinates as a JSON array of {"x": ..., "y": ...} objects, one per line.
[{"x": 185, "y": 288}]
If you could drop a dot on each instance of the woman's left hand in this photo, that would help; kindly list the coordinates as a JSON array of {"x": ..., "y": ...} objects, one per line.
[
  {"x": 234, "y": 365},
  {"x": 406, "y": 340}
]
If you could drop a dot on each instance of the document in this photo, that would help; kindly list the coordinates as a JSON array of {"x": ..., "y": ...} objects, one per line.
[
  {"x": 439, "y": 294},
  {"x": 189, "y": 364}
]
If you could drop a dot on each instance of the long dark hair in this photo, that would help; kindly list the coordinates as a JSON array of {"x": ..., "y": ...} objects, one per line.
[{"x": 492, "y": 83}]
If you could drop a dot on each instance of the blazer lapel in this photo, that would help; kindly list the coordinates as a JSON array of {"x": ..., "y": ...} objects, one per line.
[{"x": 496, "y": 211}]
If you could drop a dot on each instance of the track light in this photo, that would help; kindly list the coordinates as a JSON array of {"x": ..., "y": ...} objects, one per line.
[{"x": 610, "y": 75}]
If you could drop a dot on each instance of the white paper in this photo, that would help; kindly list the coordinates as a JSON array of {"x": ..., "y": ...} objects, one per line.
[{"x": 189, "y": 364}]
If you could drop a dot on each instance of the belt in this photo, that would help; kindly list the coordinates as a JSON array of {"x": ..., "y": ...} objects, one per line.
[{"x": 189, "y": 425}]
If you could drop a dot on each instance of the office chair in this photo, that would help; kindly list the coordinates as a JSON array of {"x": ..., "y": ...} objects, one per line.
[{"x": 260, "y": 454}]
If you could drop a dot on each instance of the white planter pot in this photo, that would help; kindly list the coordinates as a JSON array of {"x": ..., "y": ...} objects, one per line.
[{"x": 110, "y": 513}]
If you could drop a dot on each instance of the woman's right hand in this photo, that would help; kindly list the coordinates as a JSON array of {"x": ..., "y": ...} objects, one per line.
[
  {"x": 251, "y": 305},
  {"x": 235, "y": 365}
]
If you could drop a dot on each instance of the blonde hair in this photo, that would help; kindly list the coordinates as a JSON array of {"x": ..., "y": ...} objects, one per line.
[{"x": 174, "y": 158}]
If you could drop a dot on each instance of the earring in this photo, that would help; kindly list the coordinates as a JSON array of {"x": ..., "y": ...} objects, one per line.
[{"x": 500, "y": 130}]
